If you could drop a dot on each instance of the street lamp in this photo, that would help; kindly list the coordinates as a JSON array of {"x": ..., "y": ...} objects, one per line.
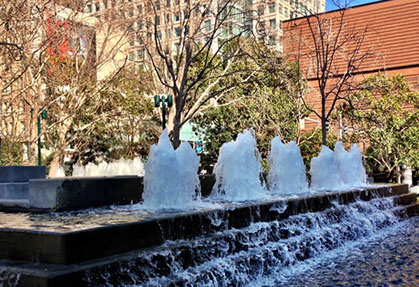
[
  {"x": 163, "y": 100},
  {"x": 42, "y": 115}
]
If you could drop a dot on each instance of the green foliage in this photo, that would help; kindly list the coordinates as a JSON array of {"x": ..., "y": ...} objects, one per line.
[
  {"x": 124, "y": 125},
  {"x": 11, "y": 153},
  {"x": 267, "y": 103},
  {"x": 386, "y": 109},
  {"x": 311, "y": 144}
]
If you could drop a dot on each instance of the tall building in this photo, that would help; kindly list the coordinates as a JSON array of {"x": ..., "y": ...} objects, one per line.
[
  {"x": 113, "y": 31},
  {"x": 261, "y": 17}
]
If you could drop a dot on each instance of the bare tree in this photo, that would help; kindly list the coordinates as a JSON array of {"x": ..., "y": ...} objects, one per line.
[
  {"x": 57, "y": 58},
  {"x": 192, "y": 48},
  {"x": 22, "y": 63},
  {"x": 330, "y": 52},
  {"x": 86, "y": 58}
]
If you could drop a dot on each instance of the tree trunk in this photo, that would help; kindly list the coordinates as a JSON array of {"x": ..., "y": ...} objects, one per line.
[
  {"x": 59, "y": 150},
  {"x": 324, "y": 132},
  {"x": 324, "y": 119},
  {"x": 55, "y": 164},
  {"x": 171, "y": 119},
  {"x": 176, "y": 133},
  {"x": 398, "y": 175}
]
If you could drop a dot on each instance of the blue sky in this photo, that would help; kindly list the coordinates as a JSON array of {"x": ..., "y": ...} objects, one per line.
[{"x": 331, "y": 6}]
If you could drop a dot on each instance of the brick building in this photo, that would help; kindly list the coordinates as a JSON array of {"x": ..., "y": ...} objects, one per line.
[{"x": 390, "y": 43}]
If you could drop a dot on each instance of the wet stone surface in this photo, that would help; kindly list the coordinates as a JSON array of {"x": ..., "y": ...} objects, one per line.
[
  {"x": 390, "y": 258},
  {"x": 108, "y": 216}
]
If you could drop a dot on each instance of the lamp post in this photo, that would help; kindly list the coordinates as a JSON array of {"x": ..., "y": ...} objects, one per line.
[
  {"x": 163, "y": 100},
  {"x": 42, "y": 115}
]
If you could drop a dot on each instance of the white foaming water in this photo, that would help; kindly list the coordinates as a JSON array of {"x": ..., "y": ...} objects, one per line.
[
  {"x": 261, "y": 252},
  {"x": 60, "y": 172},
  {"x": 171, "y": 177},
  {"x": 350, "y": 165},
  {"x": 238, "y": 170},
  {"x": 119, "y": 167},
  {"x": 324, "y": 171},
  {"x": 338, "y": 169},
  {"x": 287, "y": 172}
]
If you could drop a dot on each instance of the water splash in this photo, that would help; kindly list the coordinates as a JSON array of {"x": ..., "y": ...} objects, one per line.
[
  {"x": 171, "y": 177},
  {"x": 350, "y": 165},
  {"x": 324, "y": 171},
  {"x": 287, "y": 172},
  {"x": 241, "y": 257},
  {"x": 115, "y": 168},
  {"x": 238, "y": 170},
  {"x": 60, "y": 172}
]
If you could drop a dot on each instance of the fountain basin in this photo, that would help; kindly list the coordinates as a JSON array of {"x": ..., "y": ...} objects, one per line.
[
  {"x": 71, "y": 193},
  {"x": 56, "y": 249},
  {"x": 73, "y": 237},
  {"x": 21, "y": 173}
]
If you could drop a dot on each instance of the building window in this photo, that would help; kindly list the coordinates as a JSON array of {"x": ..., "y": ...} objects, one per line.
[
  {"x": 22, "y": 128},
  {"x": 206, "y": 10},
  {"x": 140, "y": 54},
  {"x": 131, "y": 41},
  {"x": 280, "y": 9},
  {"x": 286, "y": 12},
  {"x": 97, "y": 6},
  {"x": 177, "y": 31},
  {"x": 271, "y": 40},
  {"x": 131, "y": 12},
  {"x": 177, "y": 18},
  {"x": 131, "y": 56},
  {"x": 168, "y": 3},
  {"x": 22, "y": 107},
  {"x": 272, "y": 8},
  {"x": 207, "y": 25},
  {"x": 158, "y": 5},
  {"x": 89, "y": 8},
  {"x": 261, "y": 10},
  {"x": 140, "y": 9},
  {"x": 157, "y": 20},
  {"x": 272, "y": 23}
]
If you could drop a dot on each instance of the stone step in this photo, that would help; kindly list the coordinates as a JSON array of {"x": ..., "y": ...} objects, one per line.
[
  {"x": 10, "y": 203},
  {"x": 45, "y": 243},
  {"x": 14, "y": 190},
  {"x": 412, "y": 209},
  {"x": 405, "y": 199},
  {"x": 50, "y": 275}
]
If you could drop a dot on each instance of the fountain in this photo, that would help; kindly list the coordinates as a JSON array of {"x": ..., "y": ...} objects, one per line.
[
  {"x": 238, "y": 170},
  {"x": 175, "y": 238},
  {"x": 120, "y": 167},
  {"x": 337, "y": 169},
  {"x": 171, "y": 176},
  {"x": 287, "y": 172},
  {"x": 350, "y": 165},
  {"x": 324, "y": 171}
]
